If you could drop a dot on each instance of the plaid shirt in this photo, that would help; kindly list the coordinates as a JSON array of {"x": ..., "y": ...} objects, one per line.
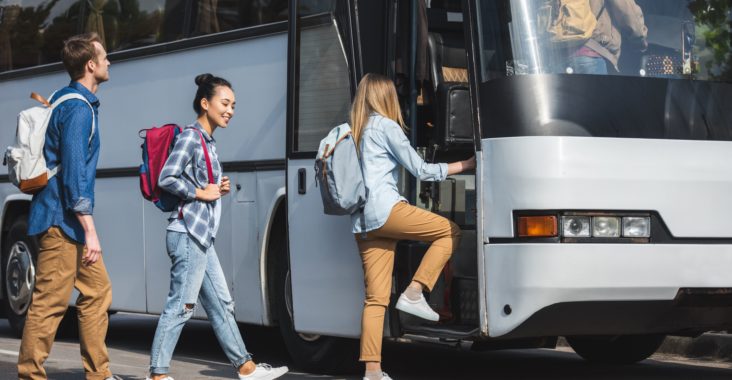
[{"x": 184, "y": 171}]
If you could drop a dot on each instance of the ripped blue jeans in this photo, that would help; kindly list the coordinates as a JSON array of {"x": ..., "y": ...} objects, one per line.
[{"x": 195, "y": 275}]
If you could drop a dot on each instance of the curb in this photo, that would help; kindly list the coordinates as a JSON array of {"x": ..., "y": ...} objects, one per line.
[{"x": 710, "y": 345}]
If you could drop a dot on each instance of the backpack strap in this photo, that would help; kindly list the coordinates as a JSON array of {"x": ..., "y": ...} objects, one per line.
[
  {"x": 75, "y": 95},
  {"x": 209, "y": 167},
  {"x": 366, "y": 188},
  {"x": 40, "y": 99},
  {"x": 72, "y": 95}
]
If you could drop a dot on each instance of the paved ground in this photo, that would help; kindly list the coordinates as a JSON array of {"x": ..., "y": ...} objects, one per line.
[{"x": 198, "y": 357}]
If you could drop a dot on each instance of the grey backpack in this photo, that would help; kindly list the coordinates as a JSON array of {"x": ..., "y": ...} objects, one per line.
[{"x": 339, "y": 174}]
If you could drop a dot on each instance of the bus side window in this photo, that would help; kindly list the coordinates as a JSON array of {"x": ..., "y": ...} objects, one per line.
[
  {"x": 324, "y": 90},
  {"x": 219, "y": 16},
  {"x": 125, "y": 25},
  {"x": 32, "y": 34},
  {"x": 210, "y": 16}
]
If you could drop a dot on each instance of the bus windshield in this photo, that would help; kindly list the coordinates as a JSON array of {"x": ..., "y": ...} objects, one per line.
[{"x": 677, "y": 39}]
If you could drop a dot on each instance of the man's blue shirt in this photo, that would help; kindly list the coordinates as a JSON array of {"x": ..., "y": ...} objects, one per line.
[{"x": 71, "y": 190}]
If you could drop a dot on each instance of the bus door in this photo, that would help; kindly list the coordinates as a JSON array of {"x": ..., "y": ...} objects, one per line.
[
  {"x": 470, "y": 28},
  {"x": 325, "y": 269}
]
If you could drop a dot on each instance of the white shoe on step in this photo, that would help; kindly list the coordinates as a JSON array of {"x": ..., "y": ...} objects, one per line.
[
  {"x": 419, "y": 308},
  {"x": 384, "y": 376}
]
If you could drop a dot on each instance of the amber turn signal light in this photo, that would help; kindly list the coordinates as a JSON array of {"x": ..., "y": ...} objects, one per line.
[{"x": 537, "y": 226}]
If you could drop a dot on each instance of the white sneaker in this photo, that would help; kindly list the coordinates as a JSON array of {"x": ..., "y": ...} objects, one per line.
[
  {"x": 384, "y": 376},
  {"x": 420, "y": 308},
  {"x": 265, "y": 372},
  {"x": 148, "y": 378}
]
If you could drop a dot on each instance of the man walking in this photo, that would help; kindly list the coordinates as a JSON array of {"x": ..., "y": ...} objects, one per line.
[{"x": 61, "y": 214}]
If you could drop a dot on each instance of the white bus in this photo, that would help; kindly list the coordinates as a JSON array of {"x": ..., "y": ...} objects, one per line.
[{"x": 599, "y": 209}]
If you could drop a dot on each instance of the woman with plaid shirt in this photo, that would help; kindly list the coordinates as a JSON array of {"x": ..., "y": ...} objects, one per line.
[{"x": 196, "y": 272}]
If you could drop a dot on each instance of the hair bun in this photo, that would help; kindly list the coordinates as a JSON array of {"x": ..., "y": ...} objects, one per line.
[{"x": 203, "y": 78}]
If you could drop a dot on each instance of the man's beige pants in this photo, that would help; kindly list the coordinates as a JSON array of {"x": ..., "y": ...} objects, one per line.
[
  {"x": 405, "y": 222},
  {"x": 58, "y": 271}
]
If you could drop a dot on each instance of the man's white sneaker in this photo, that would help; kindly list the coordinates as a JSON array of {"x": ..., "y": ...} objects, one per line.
[
  {"x": 384, "y": 376},
  {"x": 164, "y": 378},
  {"x": 265, "y": 372},
  {"x": 420, "y": 308}
]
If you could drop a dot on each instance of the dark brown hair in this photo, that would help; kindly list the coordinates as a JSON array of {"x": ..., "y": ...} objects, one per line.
[
  {"x": 77, "y": 51},
  {"x": 207, "y": 84}
]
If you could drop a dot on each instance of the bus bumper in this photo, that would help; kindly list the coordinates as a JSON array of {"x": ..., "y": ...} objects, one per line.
[{"x": 601, "y": 289}]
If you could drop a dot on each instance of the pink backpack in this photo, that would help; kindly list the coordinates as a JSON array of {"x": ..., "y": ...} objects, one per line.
[{"x": 156, "y": 147}]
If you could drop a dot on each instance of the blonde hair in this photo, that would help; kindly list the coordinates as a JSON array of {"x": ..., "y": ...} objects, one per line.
[{"x": 375, "y": 93}]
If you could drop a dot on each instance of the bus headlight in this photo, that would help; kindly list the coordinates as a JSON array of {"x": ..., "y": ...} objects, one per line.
[
  {"x": 585, "y": 226},
  {"x": 636, "y": 226},
  {"x": 576, "y": 226},
  {"x": 605, "y": 226}
]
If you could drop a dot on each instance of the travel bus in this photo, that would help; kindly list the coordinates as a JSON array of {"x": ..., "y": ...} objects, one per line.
[{"x": 599, "y": 209}]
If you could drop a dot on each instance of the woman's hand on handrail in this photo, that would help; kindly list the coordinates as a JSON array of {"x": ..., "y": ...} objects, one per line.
[{"x": 461, "y": 166}]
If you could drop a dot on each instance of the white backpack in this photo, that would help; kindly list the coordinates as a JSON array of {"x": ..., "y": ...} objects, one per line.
[{"x": 26, "y": 164}]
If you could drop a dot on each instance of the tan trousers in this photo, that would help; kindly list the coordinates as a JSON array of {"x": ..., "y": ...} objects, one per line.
[
  {"x": 405, "y": 222},
  {"x": 58, "y": 271}
]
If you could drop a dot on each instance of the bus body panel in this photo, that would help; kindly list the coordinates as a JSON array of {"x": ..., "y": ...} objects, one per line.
[
  {"x": 244, "y": 229},
  {"x": 10, "y": 195},
  {"x": 251, "y": 221},
  {"x": 158, "y": 89},
  {"x": 270, "y": 197},
  {"x": 530, "y": 277},
  {"x": 327, "y": 274},
  {"x": 118, "y": 215},
  {"x": 687, "y": 182}
]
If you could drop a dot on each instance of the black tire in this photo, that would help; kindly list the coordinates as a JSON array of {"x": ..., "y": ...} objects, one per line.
[
  {"x": 312, "y": 353},
  {"x": 20, "y": 252},
  {"x": 620, "y": 349}
]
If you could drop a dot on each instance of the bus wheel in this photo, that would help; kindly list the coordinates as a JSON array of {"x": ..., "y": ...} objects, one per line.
[
  {"x": 19, "y": 273},
  {"x": 310, "y": 352},
  {"x": 620, "y": 349}
]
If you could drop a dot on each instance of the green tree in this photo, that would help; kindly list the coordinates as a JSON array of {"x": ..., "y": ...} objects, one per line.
[{"x": 713, "y": 18}]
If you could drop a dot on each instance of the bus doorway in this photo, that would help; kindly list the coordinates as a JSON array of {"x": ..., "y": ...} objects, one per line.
[{"x": 429, "y": 65}]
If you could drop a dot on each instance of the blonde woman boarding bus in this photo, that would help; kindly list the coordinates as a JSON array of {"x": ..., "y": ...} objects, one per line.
[
  {"x": 378, "y": 129},
  {"x": 196, "y": 273}
]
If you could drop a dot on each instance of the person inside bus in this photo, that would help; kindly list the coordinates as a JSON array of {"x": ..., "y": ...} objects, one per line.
[
  {"x": 616, "y": 20},
  {"x": 379, "y": 132},
  {"x": 196, "y": 273}
]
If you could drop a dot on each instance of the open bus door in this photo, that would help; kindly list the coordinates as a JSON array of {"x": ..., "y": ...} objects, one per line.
[
  {"x": 470, "y": 29},
  {"x": 324, "y": 283}
]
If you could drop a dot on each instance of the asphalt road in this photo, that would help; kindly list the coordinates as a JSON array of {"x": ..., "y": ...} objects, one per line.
[{"x": 199, "y": 357}]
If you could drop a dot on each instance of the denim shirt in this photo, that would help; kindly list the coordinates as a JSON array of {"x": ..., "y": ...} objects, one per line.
[
  {"x": 384, "y": 148},
  {"x": 67, "y": 144},
  {"x": 183, "y": 172}
]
